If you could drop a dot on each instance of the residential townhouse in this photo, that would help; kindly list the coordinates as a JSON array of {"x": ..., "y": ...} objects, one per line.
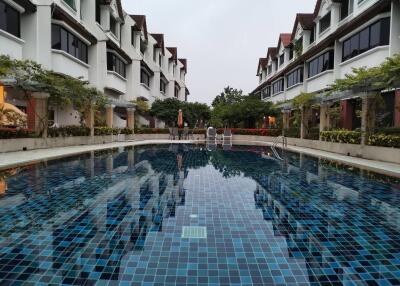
[
  {"x": 326, "y": 45},
  {"x": 95, "y": 40}
]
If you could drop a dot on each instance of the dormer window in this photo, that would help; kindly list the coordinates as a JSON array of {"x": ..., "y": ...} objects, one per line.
[
  {"x": 346, "y": 8},
  {"x": 143, "y": 46},
  {"x": 325, "y": 23},
  {"x": 98, "y": 11},
  {"x": 276, "y": 64},
  {"x": 160, "y": 60},
  {"x": 291, "y": 52},
  {"x": 282, "y": 59},
  {"x": 269, "y": 69},
  {"x": 312, "y": 35},
  {"x": 70, "y": 3},
  {"x": 155, "y": 55},
  {"x": 113, "y": 25}
]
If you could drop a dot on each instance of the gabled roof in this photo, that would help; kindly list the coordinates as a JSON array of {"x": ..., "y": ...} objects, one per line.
[
  {"x": 318, "y": 7},
  {"x": 27, "y": 5},
  {"x": 160, "y": 42},
  {"x": 272, "y": 52},
  {"x": 119, "y": 7},
  {"x": 140, "y": 24},
  {"x": 174, "y": 52},
  {"x": 262, "y": 63},
  {"x": 306, "y": 21},
  {"x": 285, "y": 39},
  {"x": 184, "y": 63}
]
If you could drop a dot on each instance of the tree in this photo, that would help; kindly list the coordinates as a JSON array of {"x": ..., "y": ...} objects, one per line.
[
  {"x": 28, "y": 77},
  {"x": 228, "y": 96},
  {"x": 232, "y": 108},
  {"x": 167, "y": 111}
]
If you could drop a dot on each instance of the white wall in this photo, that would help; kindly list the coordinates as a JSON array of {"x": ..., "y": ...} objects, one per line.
[{"x": 11, "y": 45}]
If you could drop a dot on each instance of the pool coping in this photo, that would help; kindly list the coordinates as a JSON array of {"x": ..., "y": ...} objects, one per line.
[{"x": 22, "y": 158}]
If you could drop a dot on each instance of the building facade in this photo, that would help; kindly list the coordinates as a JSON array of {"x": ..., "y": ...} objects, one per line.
[
  {"x": 326, "y": 45},
  {"x": 95, "y": 40}
]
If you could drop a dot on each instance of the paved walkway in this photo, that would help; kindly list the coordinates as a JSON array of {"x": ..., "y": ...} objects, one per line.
[{"x": 13, "y": 159}]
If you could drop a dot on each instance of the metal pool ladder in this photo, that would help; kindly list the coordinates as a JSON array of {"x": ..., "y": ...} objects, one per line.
[{"x": 275, "y": 143}]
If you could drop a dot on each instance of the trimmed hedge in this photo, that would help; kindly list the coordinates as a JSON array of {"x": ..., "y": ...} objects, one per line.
[
  {"x": 151, "y": 131},
  {"x": 253, "y": 132},
  {"x": 68, "y": 131},
  {"x": 388, "y": 131},
  {"x": 13, "y": 133},
  {"x": 384, "y": 140},
  {"x": 292, "y": 132},
  {"x": 341, "y": 136}
]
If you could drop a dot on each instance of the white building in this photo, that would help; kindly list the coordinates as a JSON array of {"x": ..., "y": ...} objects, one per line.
[
  {"x": 97, "y": 41},
  {"x": 327, "y": 44}
]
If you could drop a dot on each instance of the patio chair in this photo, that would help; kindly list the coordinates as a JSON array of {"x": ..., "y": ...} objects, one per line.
[
  {"x": 185, "y": 133},
  {"x": 175, "y": 132},
  {"x": 211, "y": 134},
  {"x": 227, "y": 135}
]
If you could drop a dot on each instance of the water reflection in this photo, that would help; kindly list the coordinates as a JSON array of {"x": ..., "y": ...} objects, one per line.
[
  {"x": 80, "y": 216},
  {"x": 80, "y": 220}
]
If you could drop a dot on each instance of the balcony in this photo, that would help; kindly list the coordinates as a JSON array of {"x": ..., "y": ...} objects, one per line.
[
  {"x": 116, "y": 82},
  {"x": 64, "y": 63},
  {"x": 11, "y": 45},
  {"x": 320, "y": 81}
]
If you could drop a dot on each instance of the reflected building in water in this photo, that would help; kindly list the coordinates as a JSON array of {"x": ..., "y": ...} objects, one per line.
[
  {"x": 83, "y": 229},
  {"x": 345, "y": 228}
]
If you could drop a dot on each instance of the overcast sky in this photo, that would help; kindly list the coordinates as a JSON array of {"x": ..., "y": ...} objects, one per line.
[{"x": 222, "y": 39}]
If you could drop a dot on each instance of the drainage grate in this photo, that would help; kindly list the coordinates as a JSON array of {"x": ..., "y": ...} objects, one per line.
[{"x": 194, "y": 232}]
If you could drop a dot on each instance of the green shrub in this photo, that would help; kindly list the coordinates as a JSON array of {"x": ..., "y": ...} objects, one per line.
[
  {"x": 68, "y": 131},
  {"x": 126, "y": 131},
  {"x": 341, "y": 136},
  {"x": 384, "y": 140},
  {"x": 254, "y": 132},
  {"x": 313, "y": 133},
  {"x": 105, "y": 131},
  {"x": 388, "y": 131},
  {"x": 292, "y": 132},
  {"x": 12, "y": 133},
  {"x": 151, "y": 131}
]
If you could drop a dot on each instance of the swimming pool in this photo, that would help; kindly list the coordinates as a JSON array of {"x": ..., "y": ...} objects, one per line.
[{"x": 183, "y": 215}]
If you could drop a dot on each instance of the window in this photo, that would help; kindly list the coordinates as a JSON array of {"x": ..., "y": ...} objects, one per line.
[
  {"x": 145, "y": 77},
  {"x": 325, "y": 22},
  {"x": 346, "y": 8},
  {"x": 9, "y": 19},
  {"x": 291, "y": 52},
  {"x": 320, "y": 64},
  {"x": 133, "y": 35},
  {"x": 177, "y": 90},
  {"x": 143, "y": 46},
  {"x": 63, "y": 40},
  {"x": 70, "y": 3},
  {"x": 115, "y": 64},
  {"x": 160, "y": 60},
  {"x": 312, "y": 34},
  {"x": 98, "y": 11},
  {"x": 113, "y": 25},
  {"x": 155, "y": 54},
  {"x": 276, "y": 64},
  {"x": 163, "y": 86},
  {"x": 173, "y": 69},
  {"x": 270, "y": 69},
  {"x": 294, "y": 77},
  {"x": 373, "y": 36},
  {"x": 282, "y": 59},
  {"x": 278, "y": 86},
  {"x": 267, "y": 92}
]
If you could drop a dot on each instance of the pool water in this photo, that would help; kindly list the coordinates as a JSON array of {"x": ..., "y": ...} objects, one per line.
[{"x": 184, "y": 215}]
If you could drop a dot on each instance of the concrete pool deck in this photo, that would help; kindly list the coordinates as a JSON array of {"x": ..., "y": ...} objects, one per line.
[{"x": 13, "y": 159}]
